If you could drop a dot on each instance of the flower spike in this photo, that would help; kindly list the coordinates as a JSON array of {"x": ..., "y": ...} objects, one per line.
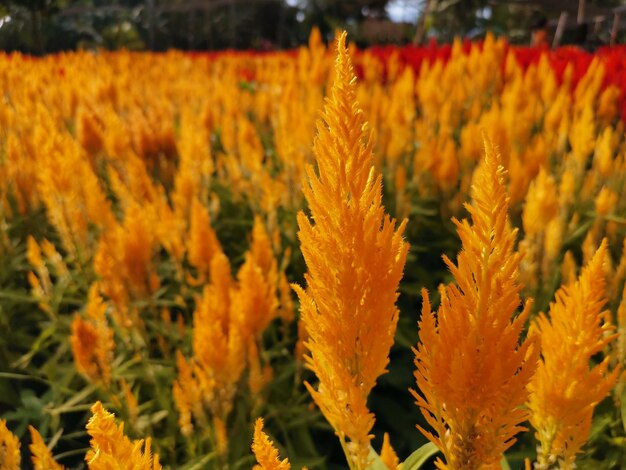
[
  {"x": 471, "y": 369},
  {"x": 355, "y": 256}
]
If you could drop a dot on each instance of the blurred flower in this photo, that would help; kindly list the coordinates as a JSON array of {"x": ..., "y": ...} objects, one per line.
[
  {"x": 92, "y": 341},
  {"x": 41, "y": 456}
]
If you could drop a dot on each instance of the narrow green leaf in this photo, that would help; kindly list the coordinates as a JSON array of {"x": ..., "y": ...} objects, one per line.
[
  {"x": 199, "y": 463},
  {"x": 420, "y": 457},
  {"x": 504, "y": 464},
  {"x": 615, "y": 218},
  {"x": 623, "y": 401},
  {"x": 375, "y": 462},
  {"x": 73, "y": 404}
]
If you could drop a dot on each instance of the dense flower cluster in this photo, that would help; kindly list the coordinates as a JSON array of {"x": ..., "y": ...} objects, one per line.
[{"x": 162, "y": 211}]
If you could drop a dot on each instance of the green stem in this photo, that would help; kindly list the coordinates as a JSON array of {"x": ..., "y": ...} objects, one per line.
[{"x": 344, "y": 446}]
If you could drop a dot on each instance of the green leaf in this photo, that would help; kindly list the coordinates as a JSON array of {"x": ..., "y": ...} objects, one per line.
[
  {"x": 199, "y": 463},
  {"x": 504, "y": 464},
  {"x": 375, "y": 462},
  {"x": 623, "y": 401},
  {"x": 420, "y": 457}
]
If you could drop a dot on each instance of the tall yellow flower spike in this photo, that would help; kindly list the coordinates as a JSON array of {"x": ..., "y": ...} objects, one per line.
[
  {"x": 355, "y": 258},
  {"x": 92, "y": 341},
  {"x": 9, "y": 448},
  {"x": 470, "y": 367},
  {"x": 41, "y": 456},
  {"x": 111, "y": 449},
  {"x": 265, "y": 452},
  {"x": 388, "y": 454},
  {"x": 565, "y": 389}
]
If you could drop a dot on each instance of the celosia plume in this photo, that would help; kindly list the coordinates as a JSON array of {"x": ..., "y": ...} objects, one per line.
[
  {"x": 9, "y": 448},
  {"x": 472, "y": 370},
  {"x": 355, "y": 257},
  {"x": 265, "y": 452},
  {"x": 566, "y": 387},
  {"x": 229, "y": 318},
  {"x": 388, "y": 454},
  {"x": 41, "y": 456},
  {"x": 203, "y": 244},
  {"x": 92, "y": 340},
  {"x": 111, "y": 449}
]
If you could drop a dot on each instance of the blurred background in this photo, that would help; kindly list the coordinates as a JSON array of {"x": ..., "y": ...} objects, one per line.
[{"x": 44, "y": 26}]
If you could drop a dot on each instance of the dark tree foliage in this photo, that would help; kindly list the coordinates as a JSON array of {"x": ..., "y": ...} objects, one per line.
[
  {"x": 447, "y": 19},
  {"x": 43, "y": 26}
]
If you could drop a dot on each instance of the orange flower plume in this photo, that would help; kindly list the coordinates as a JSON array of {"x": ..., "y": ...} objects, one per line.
[
  {"x": 565, "y": 389},
  {"x": 41, "y": 457},
  {"x": 355, "y": 257},
  {"x": 471, "y": 369},
  {"x": 265, "y": 452},
  {"x": 92, "y": 341},
  {"x": 388, "y": 454},
  {"x": 9, "y": 448},
  {"x": 110, "y": 448}
]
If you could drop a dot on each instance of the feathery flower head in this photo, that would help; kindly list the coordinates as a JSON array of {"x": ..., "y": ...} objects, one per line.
[
  {"x": 541, "y": 203},
  {"x": 111, "y": 449},
  {"x": 265, "y": 452},
  {"x": 605, "y": 201},
  {"x": 92, "y": 347},
  {"x": 41, "y": 456},
  {"x": 203, "y": 243},
  {"x": 565, "y": 388},
  {"x": 355, "y": 256},
  {"x": 388, "y": 454},
  {"x": 92, "y": 340},
  {"x": 9, "y": 448},
  {"x": 256, "y": 303},
  {"x": 472, "y": 370}
]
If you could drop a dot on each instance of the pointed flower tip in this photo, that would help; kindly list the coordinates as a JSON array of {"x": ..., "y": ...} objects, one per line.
[
  {"x": 97, "y": 408},
  {"x": 388, "y": 454},
  {"x": 341, "y": 42},
  {"x": 342, "y": 50},
  {"x": 596, "y": 266},
  {"x": 264, "y": 450},
  {"x": 492, "y": 152}
]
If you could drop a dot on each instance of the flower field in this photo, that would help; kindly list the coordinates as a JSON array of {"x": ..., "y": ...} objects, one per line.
[{"x": 393, "y": 256}]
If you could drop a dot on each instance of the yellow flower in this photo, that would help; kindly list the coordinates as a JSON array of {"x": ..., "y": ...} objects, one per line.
[
  {"x": 566, "y": 188},
  {"x": 541, "y": 203},
  {"x": 110, "y": 448},
  {"x": 568, "y": 268},
  {"x": 229, "y": 318},
  {"x": 472, "y": 370},
  {"x": 565, "y": 389},
  {"x": 607, "y": 104},
  {"x": 187, "y": 395},
  {"x": 218, "y": 341},
  {"x": 355, "y": 257},
  {"x": 92, "y": 340},
  {"x": 130, "y": 401},
  {"x": 84, "y": 340},
  {"x": 41, "y": 456},
  {"x": 264, "y": 450},
  {"x": 9, "y": 448},
  {"x": 255, "y": 304},
  {"x": 605, "y": 201},
  {"x": 388, "y": 455},
  {"x": 203, "y": 244}
]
